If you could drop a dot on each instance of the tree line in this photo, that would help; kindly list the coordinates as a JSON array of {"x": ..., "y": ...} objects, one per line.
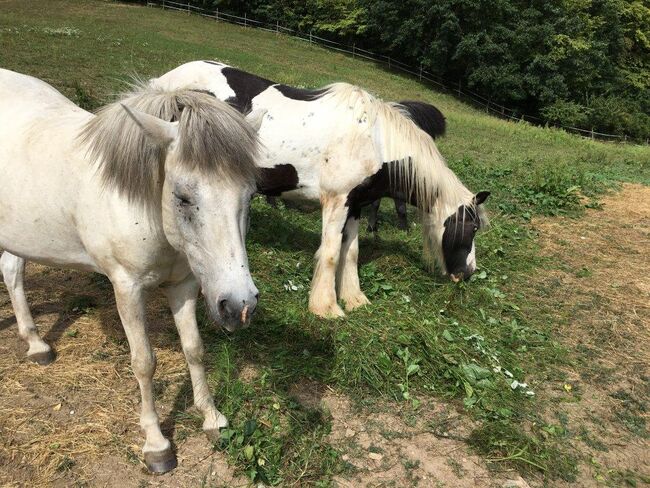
[{"x": 580, "y": 63}]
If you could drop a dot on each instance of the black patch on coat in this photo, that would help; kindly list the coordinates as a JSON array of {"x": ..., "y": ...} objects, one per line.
[
  {"x": 246, "y": 87},
  {"x": 458, "y": 237},
  {"x": 426, "y": 117},
  {"x": 301, "y": 94},
  {"x": 274, "y": 181}
]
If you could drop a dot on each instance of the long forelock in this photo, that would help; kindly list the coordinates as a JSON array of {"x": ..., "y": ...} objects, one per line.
[{"x": 213, "y": 137}]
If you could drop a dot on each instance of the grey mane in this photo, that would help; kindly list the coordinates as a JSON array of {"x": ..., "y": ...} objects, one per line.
[{"x": 213, "y": 137}]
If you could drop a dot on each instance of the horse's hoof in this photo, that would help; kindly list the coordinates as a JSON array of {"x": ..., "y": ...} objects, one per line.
[
  {"x": 160, "y": 462},
  {"x": 213, "y": 435},
  {"x": 43, "y": 358}
]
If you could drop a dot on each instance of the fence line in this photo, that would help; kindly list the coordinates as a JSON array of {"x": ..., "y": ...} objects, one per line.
[{"x": 394, "y": 64}]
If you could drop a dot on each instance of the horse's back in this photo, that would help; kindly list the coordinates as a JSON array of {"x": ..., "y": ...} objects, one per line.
[
  {"x": 43, "y": 169},
  {"x": 17, "y": 89}
]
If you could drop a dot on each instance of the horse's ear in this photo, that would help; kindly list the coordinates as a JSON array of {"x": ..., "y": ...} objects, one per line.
[
  {"x": 481, "y": 197},
  {"x": 256, "y": 117},
  {"x": 160, "y": 132}
]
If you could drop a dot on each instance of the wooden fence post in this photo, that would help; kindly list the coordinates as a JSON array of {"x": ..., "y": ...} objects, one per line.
[
  {"x": 245, "y": 19},
  {"x": 420, "y": 71},
  {"x": 309, "y": 37},
  {"x": 277, "y": 26},
  {"x": 354, "y": 45},
  {"x": 188, "y": 8},
  {"x": 388, "y": 62}
]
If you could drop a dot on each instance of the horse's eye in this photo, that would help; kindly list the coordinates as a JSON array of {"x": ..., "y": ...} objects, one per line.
[
  {"x": 475, "y": 229},
  {"x": 184, "y": 200}
]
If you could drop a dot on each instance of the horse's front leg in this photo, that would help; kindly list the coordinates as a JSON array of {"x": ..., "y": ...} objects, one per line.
[
  {"x": 347, "y": 276},
  {"x": 373, "y": 216},
  {"x": 129, "y": 297},
  {"x": 322, "y": 297},
  {"x": 182, "y": 300}
]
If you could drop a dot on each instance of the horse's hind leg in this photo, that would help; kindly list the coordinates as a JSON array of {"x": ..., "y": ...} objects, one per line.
[
  {"x": 400, "y": 208},
  {"x": 13, "y": 271}
]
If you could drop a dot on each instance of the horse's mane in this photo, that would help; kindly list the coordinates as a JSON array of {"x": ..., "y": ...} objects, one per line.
[
  {"x": 426, "y": 116},
  {"x": 213, "y": 137},
  {"x": 423, "y": 170}
]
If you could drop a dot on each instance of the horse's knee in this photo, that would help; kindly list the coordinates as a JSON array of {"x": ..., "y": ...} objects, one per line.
[
  {"x": 143, "y": 364},
  {"x": 194, "y": 353}
]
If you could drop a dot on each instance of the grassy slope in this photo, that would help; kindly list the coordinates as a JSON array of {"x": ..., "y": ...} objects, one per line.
[{"x": 422, "y": 336}]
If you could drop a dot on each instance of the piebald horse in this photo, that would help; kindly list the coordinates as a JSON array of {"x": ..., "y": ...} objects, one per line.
[
  {"x": 345, "y": 148},
  {"x": 145, "y": 201}
]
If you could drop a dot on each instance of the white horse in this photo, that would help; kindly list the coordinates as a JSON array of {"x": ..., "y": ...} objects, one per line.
[
  {"x": 346, "y": 148},
  {"x": 165, "y": 204}
]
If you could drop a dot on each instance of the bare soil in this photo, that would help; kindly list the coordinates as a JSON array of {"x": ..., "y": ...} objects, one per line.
[
  {"x": 76, "y": 421},
  {"x": 599, "y": 282}
]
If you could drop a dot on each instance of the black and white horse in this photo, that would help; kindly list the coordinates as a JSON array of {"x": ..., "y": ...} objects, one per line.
[{"x": 345, "y": 148}]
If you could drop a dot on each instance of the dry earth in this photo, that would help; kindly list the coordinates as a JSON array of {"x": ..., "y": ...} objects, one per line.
[
  {"x": 600, "y": 282},
  {"x": 75, "y": 421}
]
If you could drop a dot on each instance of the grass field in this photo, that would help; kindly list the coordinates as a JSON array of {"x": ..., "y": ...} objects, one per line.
[{"x": 424, "y": 340}]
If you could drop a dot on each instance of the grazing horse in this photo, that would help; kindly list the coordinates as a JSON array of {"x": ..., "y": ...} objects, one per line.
[
  {"x": 346, "y": 148},
  {"x": 430, "y": 120},
  {"x": 145, "y": 201}
]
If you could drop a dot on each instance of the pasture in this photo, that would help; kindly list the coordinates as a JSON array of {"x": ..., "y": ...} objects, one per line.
[{"x": 538, "y": 367}]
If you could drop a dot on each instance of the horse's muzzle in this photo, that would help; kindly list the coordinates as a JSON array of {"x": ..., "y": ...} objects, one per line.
[{"x": 235, "y": 313}]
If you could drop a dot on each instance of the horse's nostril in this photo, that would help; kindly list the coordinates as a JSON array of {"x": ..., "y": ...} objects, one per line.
[
  {"x": 222, "y": 306},
  {"x": 257, "y": 297}
]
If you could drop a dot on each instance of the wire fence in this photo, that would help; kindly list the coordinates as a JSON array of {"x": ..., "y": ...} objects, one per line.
[{"x": 463, "y": 93}]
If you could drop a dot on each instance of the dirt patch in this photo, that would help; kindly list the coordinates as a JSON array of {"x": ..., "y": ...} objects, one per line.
[
  {"x": 384, "y": 446},
  {"x": 599, "y": 283}
]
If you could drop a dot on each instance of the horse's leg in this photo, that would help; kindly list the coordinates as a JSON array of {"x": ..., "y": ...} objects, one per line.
[
  {"x": 13, "y": 272},
  {"x": 182, "y": 300},
  {"x": 347, "y": 276},
  {"x": 322, "y": 297},
  {"x": 400, "y": 208},
  {"x": 373, "y": 215},
  {"x": 129, "y": 297}
]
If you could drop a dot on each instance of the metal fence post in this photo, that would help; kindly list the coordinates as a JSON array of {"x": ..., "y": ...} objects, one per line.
[
  {"x": 188, "y": 8},
  {"x": 163, "y": 4},
  {"x": 245, "y": 19},
  {"x": 277, "y": 26},
  {"x": 217, "y": 14},
  {"x": 354, "y": 46}
]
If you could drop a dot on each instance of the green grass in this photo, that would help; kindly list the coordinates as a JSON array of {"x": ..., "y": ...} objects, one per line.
[{"x": 423, "y": 336}]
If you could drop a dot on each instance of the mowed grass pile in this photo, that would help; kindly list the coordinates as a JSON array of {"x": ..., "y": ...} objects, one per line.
[{"x": 423, "y": 337}]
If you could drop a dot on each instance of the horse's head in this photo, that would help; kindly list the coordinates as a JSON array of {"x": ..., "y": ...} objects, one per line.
[
  {"x": 209, "y": 174},
  {"x": 454, "y": 236}
]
